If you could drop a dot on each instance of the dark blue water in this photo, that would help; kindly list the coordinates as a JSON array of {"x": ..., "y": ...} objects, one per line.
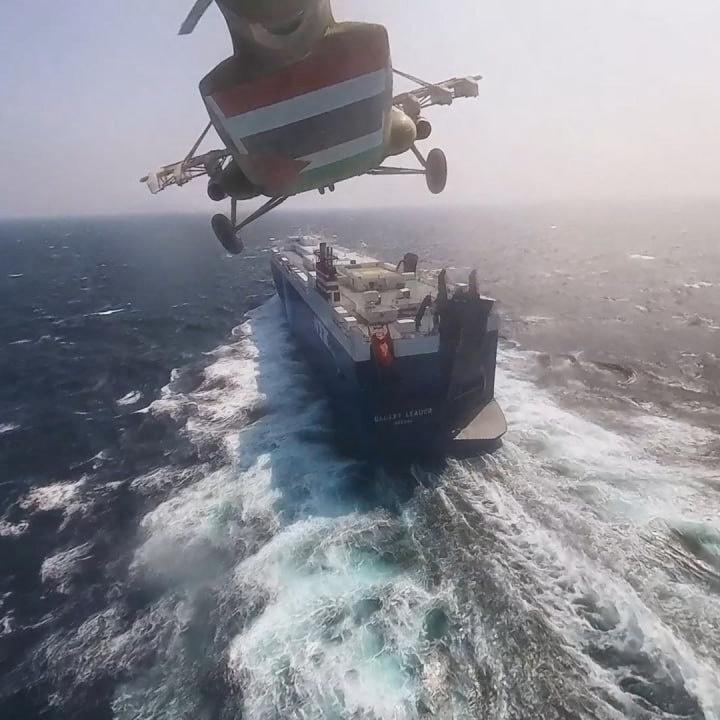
[
  {"x": 180, "y": 538},
  {"x": 94, "y": 312}
]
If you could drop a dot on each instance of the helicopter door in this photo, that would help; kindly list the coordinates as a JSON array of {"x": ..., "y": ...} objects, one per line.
[{"x": 310, "y": 124}]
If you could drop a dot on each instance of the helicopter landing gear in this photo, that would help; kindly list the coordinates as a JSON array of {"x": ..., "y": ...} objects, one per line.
[
  {"x": 227, "y": 230},
  {"x": 436, "y": 171},
  {"x": 434, "y": 168}
]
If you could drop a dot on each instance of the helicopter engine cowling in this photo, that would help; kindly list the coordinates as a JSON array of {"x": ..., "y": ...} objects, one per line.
[
  {"x": 215, "y": 191},
  {"x": 424, "y": 129},
  {"x": 403, "y": 132}
]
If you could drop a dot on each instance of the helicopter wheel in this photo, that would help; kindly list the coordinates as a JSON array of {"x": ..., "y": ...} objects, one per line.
[
  {"x": 225, "y": 232},
  {"x": 436, "y": 171}
]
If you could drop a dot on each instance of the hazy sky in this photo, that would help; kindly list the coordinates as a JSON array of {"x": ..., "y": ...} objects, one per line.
[{"x": 581, "y": 98}]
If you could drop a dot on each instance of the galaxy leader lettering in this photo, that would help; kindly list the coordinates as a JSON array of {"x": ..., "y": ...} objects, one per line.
[{"x": 403, "y": 418}]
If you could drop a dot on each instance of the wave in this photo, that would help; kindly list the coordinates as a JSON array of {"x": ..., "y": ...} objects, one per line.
[
  {"x": 53, "y": 497},
  {"x": 107, "y": 313},
  {"x": 131, "y": 398},
  {"x": 58, "y": 570}
]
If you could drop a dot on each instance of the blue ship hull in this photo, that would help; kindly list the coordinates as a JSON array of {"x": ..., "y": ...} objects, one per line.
[{"x": 416, "y": 406}]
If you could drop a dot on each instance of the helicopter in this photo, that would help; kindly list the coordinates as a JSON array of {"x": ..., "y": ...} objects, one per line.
[{"x": 303, "y": 103}]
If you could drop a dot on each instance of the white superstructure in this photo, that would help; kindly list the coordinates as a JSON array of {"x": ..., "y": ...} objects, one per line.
[{"x": 369, "y": 294}]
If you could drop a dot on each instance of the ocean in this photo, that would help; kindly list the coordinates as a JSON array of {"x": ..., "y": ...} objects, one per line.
[{"x": 181, "y": 538}]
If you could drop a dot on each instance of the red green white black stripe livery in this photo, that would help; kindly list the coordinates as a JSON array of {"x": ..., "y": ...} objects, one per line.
[{"x": 319, "y": 120}]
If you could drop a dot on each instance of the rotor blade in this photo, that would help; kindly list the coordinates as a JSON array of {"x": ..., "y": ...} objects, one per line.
[{"x": 194, "y": 16}]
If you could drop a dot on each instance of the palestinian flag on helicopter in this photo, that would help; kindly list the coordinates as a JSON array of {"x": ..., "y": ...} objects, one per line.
[{"x": 313, "y": 123}]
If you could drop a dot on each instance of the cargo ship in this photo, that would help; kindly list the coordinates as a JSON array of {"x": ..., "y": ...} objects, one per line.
[{"x": 407, "y": 359}]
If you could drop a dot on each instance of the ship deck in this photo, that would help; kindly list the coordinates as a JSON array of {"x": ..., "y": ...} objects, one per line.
[{"x": 370, "y": 293}]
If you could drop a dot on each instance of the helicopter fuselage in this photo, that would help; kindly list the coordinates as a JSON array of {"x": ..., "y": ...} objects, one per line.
[{"x": 303, "y": 103}]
